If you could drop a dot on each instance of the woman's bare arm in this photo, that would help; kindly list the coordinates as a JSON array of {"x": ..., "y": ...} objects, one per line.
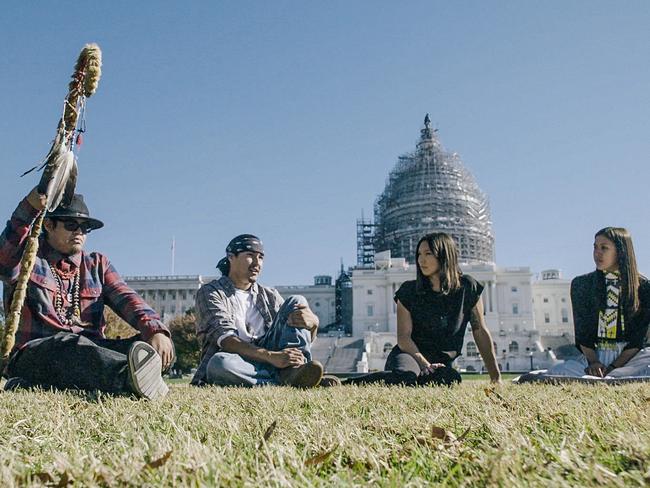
[
  {"x": 404, "y": 341},
  {"x": 484, "y": 341}
]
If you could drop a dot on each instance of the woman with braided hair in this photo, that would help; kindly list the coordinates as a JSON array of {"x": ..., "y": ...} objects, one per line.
[{"x": 611, "y": 313}]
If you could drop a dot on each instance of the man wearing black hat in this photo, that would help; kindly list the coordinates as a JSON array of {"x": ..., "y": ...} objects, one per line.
[
  {"x": 60, "y": 339},
  {"x": 249, "y": 334}
]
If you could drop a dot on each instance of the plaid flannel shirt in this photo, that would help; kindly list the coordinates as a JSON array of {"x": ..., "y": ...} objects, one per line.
[
  {"x": 216, "y": 306},
  {"x": 99, "y": 285}
]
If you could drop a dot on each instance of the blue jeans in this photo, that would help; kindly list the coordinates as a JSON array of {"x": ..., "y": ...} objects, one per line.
[
  {"x": 637, "y": 366},
  {"x": 230, "y": 369}
]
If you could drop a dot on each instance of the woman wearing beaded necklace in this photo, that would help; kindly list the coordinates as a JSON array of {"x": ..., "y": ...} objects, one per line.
[{"x": 611, "y": 313}]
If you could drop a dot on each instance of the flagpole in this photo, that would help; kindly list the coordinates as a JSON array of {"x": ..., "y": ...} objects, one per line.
[{"x": 173, "y": 255}]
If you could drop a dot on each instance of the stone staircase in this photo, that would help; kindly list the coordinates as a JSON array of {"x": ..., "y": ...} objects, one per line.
[{"x": 338, "y": 354}]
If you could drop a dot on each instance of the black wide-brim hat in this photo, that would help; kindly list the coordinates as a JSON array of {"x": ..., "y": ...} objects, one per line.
[{"x": 76, "y": 210}]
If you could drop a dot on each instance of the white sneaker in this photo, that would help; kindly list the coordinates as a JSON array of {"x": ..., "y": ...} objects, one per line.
[{"x": 145, "y": 366}]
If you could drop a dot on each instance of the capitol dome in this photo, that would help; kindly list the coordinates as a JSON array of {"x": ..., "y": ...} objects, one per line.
[{"x": 430, "y": 190}]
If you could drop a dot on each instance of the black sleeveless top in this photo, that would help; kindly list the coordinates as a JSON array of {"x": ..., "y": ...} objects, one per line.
[{"x": 439, "y": 320}]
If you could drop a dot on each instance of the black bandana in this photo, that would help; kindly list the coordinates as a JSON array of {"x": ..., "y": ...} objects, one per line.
[
  {"x": 241, "y": 243},
  {"x": 245, "y": 242}
]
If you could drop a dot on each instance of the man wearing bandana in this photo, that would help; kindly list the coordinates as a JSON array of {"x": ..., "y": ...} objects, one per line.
[
  {"x": 249, "y": 334},
  {"x": 60, "y": 341}
]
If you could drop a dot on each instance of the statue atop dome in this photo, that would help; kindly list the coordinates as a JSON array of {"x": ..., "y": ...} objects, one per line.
[{"x": 427, "y": 135}]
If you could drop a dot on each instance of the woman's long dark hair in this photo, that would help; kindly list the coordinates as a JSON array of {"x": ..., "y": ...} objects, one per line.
[
  {"x": 444, "y": 249},
  {"x": 626, "y": 265}
]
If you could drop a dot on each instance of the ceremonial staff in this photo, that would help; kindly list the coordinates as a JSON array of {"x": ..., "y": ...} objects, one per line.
[{"x": 59, "y": 176}]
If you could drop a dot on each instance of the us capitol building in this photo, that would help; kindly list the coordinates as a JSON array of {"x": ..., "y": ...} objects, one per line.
[{"x": 428, "y": 190}]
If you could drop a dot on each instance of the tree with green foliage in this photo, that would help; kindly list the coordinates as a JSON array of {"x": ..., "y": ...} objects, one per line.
[
  {"x": 188, "y": 348},
  {"x": 186, "y": 343}
]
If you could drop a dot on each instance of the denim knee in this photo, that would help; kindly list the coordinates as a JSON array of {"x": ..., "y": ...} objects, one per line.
[
  {"x": 294, "y": 300},
  {"x": 221, "y": 364},
  {"x": 306, "y": 335}
]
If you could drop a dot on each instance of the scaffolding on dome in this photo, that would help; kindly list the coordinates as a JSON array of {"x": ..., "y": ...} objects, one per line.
[
  {"x": 365, "y": 243},
  {"x": 430, "y": 190}
]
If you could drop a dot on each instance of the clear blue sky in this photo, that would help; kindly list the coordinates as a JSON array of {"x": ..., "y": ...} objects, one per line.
[{"x": 283, "y": 119}]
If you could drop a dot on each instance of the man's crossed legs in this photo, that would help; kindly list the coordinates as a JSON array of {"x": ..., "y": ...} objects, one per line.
[{"x": 229, "y": 369}]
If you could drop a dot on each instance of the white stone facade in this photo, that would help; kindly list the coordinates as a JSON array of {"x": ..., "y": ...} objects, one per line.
[
  {"x": 552, "y": 304},
  {"x": 321, "y": 297},
  {"x": 519, "y": 311},
  {"x": 508, "y": 303},
  {"x": 170, "y": 296}
]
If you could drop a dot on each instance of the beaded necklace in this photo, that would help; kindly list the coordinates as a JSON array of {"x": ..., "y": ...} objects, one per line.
[
  {"x": 72, "y": 315},
  {"x": 611, "y": 316}
]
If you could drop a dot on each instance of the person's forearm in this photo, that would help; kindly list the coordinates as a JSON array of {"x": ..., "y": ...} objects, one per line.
[
  {"x": 590, "y": 354},
  {"x": 486, "y": 348},
  {"x": 14, "y": 237},
  {"x": 407, "y": 345},
  {"x": 128, "y": 305},
  {"x": 245, "y": 349},
  {"x": 623, "y": 358},
  {"x": 484, "y": 341}
]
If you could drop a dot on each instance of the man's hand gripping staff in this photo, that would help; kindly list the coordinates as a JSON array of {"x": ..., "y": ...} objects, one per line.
[{"x": 59, "y": 177}]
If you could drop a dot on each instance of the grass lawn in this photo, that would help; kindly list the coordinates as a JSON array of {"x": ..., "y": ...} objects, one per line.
[
  {"x": 468, "y": 435},
  {"x": 466, "y": 377},
  {"x": 474, "y": 376}
]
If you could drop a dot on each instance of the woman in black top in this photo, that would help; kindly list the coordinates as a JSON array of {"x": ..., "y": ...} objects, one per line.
[{"x": 432, "y": 315}]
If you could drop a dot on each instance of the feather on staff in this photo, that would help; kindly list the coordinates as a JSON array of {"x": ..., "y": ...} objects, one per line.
[{"x": 59, "y": 178}]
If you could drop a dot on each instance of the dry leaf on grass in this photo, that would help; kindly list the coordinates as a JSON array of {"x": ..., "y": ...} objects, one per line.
[
  {"x": 442, "y": 434},
  {"x": 156, "y": 463},
  {"x": 48, "y": 479},
  {"x": 44, "y": 477},
  {"x": 439, "y": 434},
  {"x": 64, "y": 480},
  {"x": 491, "y": 391},
  {"x": 268, "y": 433},
  {"x": 103, "y": 477},
  {"x": 321, "y": 458},
  {"x": 424, "y": 441}
]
